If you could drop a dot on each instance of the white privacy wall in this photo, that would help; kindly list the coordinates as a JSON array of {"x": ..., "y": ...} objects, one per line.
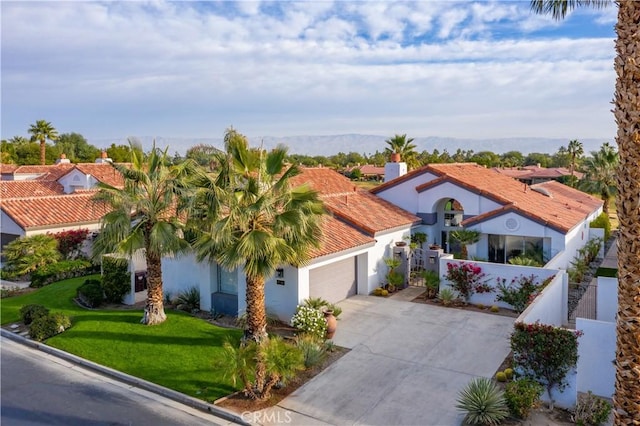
[
  {"x": 180, "y": 273},
  {"x": 597, "y": 353}
]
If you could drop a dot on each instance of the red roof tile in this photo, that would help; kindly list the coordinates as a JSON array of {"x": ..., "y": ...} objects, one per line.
[
  {"x": 357, "y": 207},
  {"x": 8, "y": 168},
  {"x": 36, "y": 212},
  {"x": 103, "y": 172},
  {"x": 559, "y": 212},
  {"x": 337, "y": 236},
  {"x": 50, "y": 172},
  {"x": 28, "y": 188}
]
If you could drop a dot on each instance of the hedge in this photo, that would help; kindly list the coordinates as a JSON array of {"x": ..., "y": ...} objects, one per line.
[{"x": 61, "y": 271}]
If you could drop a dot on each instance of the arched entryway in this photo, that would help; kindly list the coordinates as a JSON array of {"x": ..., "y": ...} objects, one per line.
[{"x": 450, "y": 216}]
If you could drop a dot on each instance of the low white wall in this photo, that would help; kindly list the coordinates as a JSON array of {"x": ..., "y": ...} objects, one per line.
[
  {"x": 607, "y": 299},
  {"x": 550, "y": 307},
  {"x": 494, "y": 271},
  {"x": 568, "y": 397},
  {"x": 180, "y": 273},
  {"x": 596, "y": 351}
]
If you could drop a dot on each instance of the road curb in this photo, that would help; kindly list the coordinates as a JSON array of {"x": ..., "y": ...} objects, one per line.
[{"x": 126, "y": 378}]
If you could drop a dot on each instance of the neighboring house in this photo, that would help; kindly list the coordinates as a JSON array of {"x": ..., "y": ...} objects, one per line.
[
  {"x": 358, "y": 233},
  {"x": 53, "y": 198},
  {"x": 536, "y": 174},
  {"x": 368, "y": 171},
  {"x": 548, "y": 219},
  {"x": 49, "y": 214}
]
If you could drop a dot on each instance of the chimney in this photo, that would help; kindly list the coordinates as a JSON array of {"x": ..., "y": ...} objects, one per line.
[
  {"x": 104, "y": 158},
  {"x": 394, "y": 168},
  {"x": 63, "y": 159}
]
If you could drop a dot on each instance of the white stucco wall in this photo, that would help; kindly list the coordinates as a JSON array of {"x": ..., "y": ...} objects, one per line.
[
  {"x": 183, "y": 272},
  {"x": 472, "y": 203},
  {"x": 75, "y": 179},
  {"x": 377, "y": 269},
  {"x": 596, "y": 356},
  {"x": 9, "y": 226},
  {"x": 282, "y": 300},
  {"x": 550, "y": 307},
  {"x": 404, "y": 194}
]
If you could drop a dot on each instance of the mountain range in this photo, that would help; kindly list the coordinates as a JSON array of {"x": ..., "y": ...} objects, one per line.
[{"x": 328, "y": 145}]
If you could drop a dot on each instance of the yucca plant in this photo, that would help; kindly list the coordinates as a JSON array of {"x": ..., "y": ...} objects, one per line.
[
  {"x": 447, "y": 296},
  {"x": 189, "y": 300},
  {"x": 312, "y": 348},
  {"x": 483, "y": 403}
]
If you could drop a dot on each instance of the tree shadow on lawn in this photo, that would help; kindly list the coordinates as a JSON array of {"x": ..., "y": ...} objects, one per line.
[{"x": 208, "y": 338}]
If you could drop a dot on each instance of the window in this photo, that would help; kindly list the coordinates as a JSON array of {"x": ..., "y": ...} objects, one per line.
[
  {"x": 504, "y": 247},
  {"x": 227, "y": 281}
]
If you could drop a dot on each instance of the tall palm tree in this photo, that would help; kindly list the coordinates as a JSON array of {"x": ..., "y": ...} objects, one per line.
[
  {"x": 575, "y": 151},
  {"x": 41, "y": 131},
  {"x": 626, "y": 399},
  {"x": 147, "y": 214},
  {"x": 249, "y": 216},
  {"x": 399, "y": 144},
  {"x": 600, "y": 174}
]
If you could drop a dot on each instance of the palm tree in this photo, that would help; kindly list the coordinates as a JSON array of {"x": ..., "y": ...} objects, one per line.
[
  {"x": 626, "y": 399},
  {"x": 575, "y": 151},
  {"x": 600, "y": 176},
  {"x": 146, "y": 214},
  {"x": 41, "y": 131},
  {"x": 399, "y": 144},
  {"x": 465, "y": 237},
  {"x": 250, "y": 217}
]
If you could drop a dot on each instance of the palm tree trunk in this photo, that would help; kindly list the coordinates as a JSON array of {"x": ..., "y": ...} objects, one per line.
[
  {"x": 43, "y": 150},
  {"x": 257, "y": 326},
  {"x": 626, "y": 399},
  {"x": 154, "y": 308}
]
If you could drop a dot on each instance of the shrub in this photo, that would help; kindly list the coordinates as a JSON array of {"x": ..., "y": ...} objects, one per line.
[
  {"x": 27, "y": 254},
  {"x": 483, "y": 402},
  {"x": 494, "y": 308},
  {"x": 313, "y": 349},
  {"x": 70, "y": 242},
  {"x": 524, "y": 260},
  {"x": 591, "y": 410},
  {"x": 447, "y": 296},
  {"x": 519, "y": 292},
  {"x": 602, "y": 221},
  {"x": 90, "y": 293},
  {"x": 29, "y": 313},
  {"x": 322, "y": 305},
  {"x": 189, "y": 300},
  {"x": 116, "y": 279},
  {"x": 545, "y": 353},
  {"x": 467, "y": 278},
  {"x": 309, "y": 320},
  {"x": 61, "y": 271},
  {"x": 49, "y": 325},
  {"x": 522, "y": 395}
]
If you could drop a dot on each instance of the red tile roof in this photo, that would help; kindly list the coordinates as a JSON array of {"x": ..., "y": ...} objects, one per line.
[
  {"x": 8, "y": 168},
  {"x": 103, "y": 172},
  {"x": 561, "y": 212},
  {"x": 61, "y": 210},
  {"x": 50, "y": 172},
  {"x": 536, "y": 172},
  {"x": 28, "y": 188},
  {"x": 359, "y": 208},
  {"x": 338, "y": 236}
]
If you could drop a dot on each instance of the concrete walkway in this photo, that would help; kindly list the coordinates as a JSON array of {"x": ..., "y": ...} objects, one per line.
[{"x": 407, "y": 364}]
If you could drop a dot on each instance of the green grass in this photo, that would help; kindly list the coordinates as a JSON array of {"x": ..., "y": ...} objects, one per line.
[
  {"x": 607, "y": 272},
  {"x": 183, "y": 353}
]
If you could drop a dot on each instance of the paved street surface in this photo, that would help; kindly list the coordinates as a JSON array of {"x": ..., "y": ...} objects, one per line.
[{"x": 40, "y": 389}]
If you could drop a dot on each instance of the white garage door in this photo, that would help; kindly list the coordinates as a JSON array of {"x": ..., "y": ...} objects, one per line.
[{"x": 334, "y": 282}]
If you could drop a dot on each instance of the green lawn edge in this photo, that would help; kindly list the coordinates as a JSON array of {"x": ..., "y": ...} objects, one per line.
[{"x": 184, "y": 353}]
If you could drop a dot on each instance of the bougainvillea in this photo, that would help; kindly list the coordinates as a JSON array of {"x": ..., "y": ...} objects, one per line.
[
  {"x": 545, "y": 353},
  {"x": 69, "y": 242},
  {"x": 467, "y": 278}
]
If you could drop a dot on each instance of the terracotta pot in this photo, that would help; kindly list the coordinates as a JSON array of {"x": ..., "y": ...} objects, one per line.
[
  {"x": 332, "y": 324},
  {"x": 395, "y": 157}
]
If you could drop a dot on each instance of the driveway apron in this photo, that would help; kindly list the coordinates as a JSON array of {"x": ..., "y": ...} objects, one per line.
[{"x": 407, "y": 364}]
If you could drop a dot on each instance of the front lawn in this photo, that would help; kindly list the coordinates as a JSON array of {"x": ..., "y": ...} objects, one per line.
[{"x": 180, "y": 353}]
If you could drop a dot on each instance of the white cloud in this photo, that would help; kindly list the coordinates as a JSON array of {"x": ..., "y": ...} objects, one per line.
[{"x": 310, "y": 67}]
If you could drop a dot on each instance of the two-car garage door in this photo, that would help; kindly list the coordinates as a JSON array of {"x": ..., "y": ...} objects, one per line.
[{"x": 334, "y": 282}]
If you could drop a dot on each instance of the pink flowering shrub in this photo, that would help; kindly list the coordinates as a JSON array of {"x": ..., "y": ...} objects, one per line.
[{"x": 467, "y": 278}]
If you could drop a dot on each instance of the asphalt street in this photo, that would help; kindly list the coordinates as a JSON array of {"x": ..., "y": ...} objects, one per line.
[{"x": 40, "y": 389}]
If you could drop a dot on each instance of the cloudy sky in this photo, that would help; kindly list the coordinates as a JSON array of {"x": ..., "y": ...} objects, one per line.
[{"x": 190, "y": 69}]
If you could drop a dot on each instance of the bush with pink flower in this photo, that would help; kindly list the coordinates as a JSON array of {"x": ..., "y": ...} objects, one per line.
[{"x": 467, "y": 278}]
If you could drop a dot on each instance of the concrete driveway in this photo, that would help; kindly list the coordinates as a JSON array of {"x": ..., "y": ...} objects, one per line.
[{"x": 407, "y": 363}]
